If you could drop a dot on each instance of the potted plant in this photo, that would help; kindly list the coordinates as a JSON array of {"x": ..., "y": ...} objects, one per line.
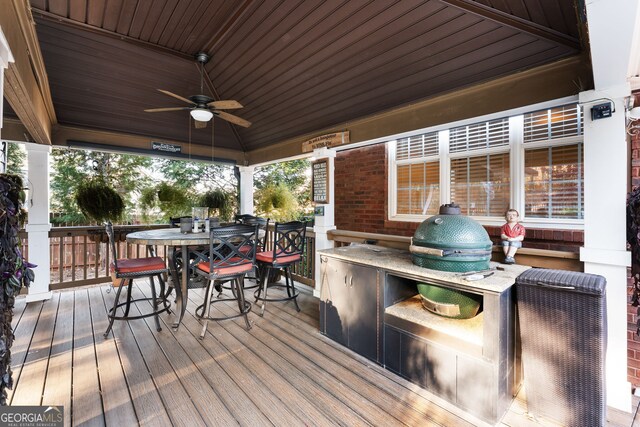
[
  {"x": 15, "y": 272},
  {"x": 219, "y": 201},
  {"x": 100, "y": 202}
]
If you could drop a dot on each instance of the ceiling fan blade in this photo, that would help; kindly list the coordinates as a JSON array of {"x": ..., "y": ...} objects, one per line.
[
  {"x": 156, "y": 110},
  {"x": 229, "y": 104},
  {"x": 166, "y": 92},
  {"x": 199, "y": 125},
  {"x": 233, "y": 119}
]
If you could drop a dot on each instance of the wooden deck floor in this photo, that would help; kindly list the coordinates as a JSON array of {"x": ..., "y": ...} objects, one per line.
[{"x": 281, "y": 372}]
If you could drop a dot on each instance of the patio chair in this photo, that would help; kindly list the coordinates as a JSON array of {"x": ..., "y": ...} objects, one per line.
[
  {"x": 263, "y": 232},
  {"x": 232, "y": 254},
  {"x": 288, "y": 250},
  {"x": 124, "y": 271}
]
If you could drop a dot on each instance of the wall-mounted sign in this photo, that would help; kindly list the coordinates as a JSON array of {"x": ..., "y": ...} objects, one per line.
[
  {"x": 320, "y": 181},
  {"x": 167, "y": 148},
  {"x": 329, "y": 140},
  {"x": 318, "y": 211}
]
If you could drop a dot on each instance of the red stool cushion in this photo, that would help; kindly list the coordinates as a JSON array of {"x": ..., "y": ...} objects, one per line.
[
  {"x": 140, "y": 265},
  {"x": 222, "y": 270},
  {"x": 267, "y": 256}
]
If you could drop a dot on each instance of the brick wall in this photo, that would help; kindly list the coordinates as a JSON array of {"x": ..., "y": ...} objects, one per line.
[
  {"x": 361, "y": 202},
  {"x": 633, "y": 341}
]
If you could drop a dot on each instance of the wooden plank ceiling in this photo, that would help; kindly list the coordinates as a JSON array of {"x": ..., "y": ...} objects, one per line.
[{"x": 297, "y": 66}]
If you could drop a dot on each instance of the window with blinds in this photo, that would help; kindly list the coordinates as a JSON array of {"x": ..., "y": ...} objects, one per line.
[
  {"x": 417, "y": 146},
  {"x": 554, "y": 123},
  {"x": 479, "y": 136},
  {"x": 554, "y": 182},
  {"x": 554, "y": 175},
  {"x": 418, "y": 188},
  {"x": 418, "y": 178},
  {"x": 480, "y": 184},
  {"x": 476, "y": 159}
]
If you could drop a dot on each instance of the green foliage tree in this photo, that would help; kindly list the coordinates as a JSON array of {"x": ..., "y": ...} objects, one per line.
[
  {"x": 165, "y": 200},
  {"x": 205, "y": 179},
  {"x": 16, "y": 159},
  {"x": 192, "y": 175},
  {"x": 277, "y": 201},
  {"x": 295, "y": 175},
  {"x": 127, "y": 174}
]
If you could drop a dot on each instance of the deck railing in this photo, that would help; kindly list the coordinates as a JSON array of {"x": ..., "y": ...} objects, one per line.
[{"x": 80, "y": 256}]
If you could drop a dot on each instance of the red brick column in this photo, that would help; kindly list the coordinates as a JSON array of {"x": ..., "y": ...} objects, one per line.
[{"x": 633, "y": 341}]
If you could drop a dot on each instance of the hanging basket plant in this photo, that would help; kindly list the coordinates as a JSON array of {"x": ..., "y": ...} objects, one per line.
[
  {"x": 100, "y": 202},
  {"x": 15, "y": 272},
  {"x": 219, "y": 201}
]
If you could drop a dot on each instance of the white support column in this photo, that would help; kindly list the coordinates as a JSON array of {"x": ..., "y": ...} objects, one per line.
[
  {"x": 38, "y": 225},
  {"x": 326, "y": 222},
  {"x": 613, "y": 33},
  {"x": 604, "y": 251},
  {"x": 246, "y": 189}
]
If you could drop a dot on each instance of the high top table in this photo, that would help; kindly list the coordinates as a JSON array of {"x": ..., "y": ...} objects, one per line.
[{"x": 173, "y": 237}]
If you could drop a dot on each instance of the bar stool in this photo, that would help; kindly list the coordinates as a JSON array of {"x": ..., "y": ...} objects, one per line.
[
  {"x": 288, "y": 249},
  {"x": 134, "y": 268},
  {"x": 232, "y": 254},
  {"x": 261, "y": 241}
]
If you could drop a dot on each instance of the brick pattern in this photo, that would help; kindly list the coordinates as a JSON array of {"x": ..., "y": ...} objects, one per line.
[{"x": 633, "y": 341}]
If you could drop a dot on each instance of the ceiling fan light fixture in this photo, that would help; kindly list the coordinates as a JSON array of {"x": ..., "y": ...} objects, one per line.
[{"x": 201, "y": 114}]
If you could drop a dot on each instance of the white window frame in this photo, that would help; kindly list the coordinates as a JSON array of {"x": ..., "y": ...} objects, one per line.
[{"x": 516, "y": 150}]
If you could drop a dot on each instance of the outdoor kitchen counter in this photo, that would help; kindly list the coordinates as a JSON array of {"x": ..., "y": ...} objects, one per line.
[
  {"x": 397, "y": 260},
  {"x": 369, "y": 303}
]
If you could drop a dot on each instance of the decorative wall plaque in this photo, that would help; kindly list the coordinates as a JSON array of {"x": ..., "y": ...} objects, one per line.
[
  {"x": 329, "y": 140},
  {"x": 320, "y": 181}
]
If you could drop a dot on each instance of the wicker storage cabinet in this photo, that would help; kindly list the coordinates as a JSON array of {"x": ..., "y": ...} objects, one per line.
[{"x": 563, "y": 330}]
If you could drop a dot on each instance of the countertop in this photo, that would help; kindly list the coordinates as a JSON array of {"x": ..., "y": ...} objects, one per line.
[{"x": 399, "y": 261}]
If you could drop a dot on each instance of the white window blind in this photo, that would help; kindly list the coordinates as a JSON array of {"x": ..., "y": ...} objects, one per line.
[
  {"x": 554, "y": 182},
  {"x": 480, "y": 184},
  {"x": 554, "y": 176},
  {"x": 417, "y": 146},
  {"x": 479, "y": 136},
  {"x": 418, "y": 188},
  {"x": 554, "y": 123}
]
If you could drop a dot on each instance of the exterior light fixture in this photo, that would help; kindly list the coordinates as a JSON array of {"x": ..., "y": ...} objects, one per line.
[{"x": 201, "y": 114}]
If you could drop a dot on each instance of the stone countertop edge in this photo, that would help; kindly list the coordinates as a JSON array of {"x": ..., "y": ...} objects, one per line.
[{"x": 399, "y": 261}]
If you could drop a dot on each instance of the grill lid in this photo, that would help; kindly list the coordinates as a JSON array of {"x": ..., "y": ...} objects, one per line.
[
  {"x": 451, "y": 242},
  {"x": 450, "y": 231}
]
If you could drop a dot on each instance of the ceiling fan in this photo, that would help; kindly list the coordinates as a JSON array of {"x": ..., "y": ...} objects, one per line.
[{"x": 202, "y": 107}]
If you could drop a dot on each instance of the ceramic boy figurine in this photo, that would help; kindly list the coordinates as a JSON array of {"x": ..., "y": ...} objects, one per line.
[{"x": 512, "y": 235}]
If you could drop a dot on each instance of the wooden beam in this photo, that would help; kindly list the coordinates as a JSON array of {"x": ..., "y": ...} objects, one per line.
[
  {"x": 515, "y": 22},
  {"x": 27, "y": 85},
  {"x": 563, "y": 78},
  {"x": 124, "y": 143},
  {"x": 14, "y": 130},
  {"x": 211, "y": 44},
  {"x": 216, "y": 96}
]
